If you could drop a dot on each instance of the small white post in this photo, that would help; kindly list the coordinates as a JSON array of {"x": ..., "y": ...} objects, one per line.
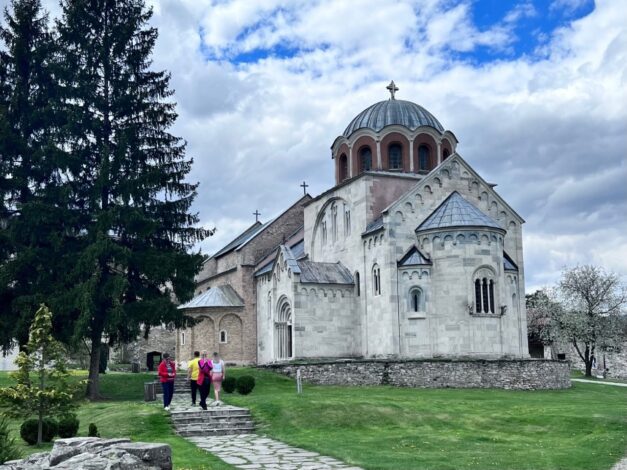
[{"x": 299, "y": 382}]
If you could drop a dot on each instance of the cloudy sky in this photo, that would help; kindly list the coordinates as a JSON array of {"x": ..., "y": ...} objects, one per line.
[{"x": 535, "y": 91}]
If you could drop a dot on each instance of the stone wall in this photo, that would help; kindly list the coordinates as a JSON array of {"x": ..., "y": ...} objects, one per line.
[
  {"x": 515, "y": 374},
  {"x": 161, "y": 339}
]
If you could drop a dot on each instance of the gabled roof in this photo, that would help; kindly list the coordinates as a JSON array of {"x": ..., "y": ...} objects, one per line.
[
  {"x": 435, "y": 173},
  {"x": 241, "y": 238},
  {"x": 455, "y": 211},
  {"x": 220, "y": 296},
  {"x": 253, "y": 231},
  {"x": 414, "y": 258},
  {"x": 296, "y": 244},
  {"x": 324, "y": 273}
]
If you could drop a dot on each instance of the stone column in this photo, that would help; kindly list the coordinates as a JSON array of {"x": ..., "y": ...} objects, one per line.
[
  {"x": 350, "y": 161},
  {"x": 379, "y": 166},
  {"x": 411, "y": 155},
  {"x": 439, "y": 152}
]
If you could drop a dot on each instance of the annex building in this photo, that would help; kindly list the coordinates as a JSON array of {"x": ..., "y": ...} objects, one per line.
[{"x": 411, "y": 254}]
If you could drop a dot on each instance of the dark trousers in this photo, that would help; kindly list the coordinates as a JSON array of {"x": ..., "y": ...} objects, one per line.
[
  {"x": 194, "y": 386},
  {"x": 204, "y": 392},
  {"x": 168, "y": 392}
]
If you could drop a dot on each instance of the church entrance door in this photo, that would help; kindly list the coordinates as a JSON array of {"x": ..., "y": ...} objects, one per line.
[{"x": 283, "y": 332}]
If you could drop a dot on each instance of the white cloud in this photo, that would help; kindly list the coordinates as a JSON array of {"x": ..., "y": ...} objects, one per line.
[{"x": 549, "y": 129}]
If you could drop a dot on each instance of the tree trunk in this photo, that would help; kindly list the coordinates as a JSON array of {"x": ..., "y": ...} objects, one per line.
[
  {"x": 93, "y": 384},
  {"x": 40, "y": 427},
  {"x": 588, "y": 361}
]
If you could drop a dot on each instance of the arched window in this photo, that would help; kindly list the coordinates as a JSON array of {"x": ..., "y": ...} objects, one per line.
[
  {"x": 423, "y": 158},
  {"x": 365, "y": 159},
  {"x": 416, "y": 300},
  {"x": 223, "y": 336},
  {"x": 395, "y": 155},
  {"x": 283, "y": 331},
  {"x": 445, "y": 154},
  {"x": 376, "y": 280},
  {"x": 357, "y": 285},
  {"x": 484, "y": 287},
  {"x": 347, "y": 221},
  {"x": 343, "y": 167}
]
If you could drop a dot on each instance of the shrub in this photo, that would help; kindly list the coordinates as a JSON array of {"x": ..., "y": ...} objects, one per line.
[
  {"x": 245, "y": 384},
  {"x": 93, "y": 430},
  {"x": 28, "y": 430},
  {"x": 228, "y": 384},
  {"x": 68, "y": 426},
  {"x": 8, "y": 447}
]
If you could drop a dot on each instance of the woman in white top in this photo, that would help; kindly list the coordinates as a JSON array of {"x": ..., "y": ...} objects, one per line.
[{"x": 218, "y": 373}]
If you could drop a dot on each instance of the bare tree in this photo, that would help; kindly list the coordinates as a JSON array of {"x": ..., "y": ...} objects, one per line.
[{"x": 592, "y": 313}]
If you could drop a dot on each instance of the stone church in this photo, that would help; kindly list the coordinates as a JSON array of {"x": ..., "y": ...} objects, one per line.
[{"x": 411, "y": 254}]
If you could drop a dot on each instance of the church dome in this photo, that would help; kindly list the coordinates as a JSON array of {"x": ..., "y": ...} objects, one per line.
[{"x": 390, "y": 112}]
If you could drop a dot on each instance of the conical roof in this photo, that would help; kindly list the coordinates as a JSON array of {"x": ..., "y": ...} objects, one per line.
[{"x": 456, "y": 211}]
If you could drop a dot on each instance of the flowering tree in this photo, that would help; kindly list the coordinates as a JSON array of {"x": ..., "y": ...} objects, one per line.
[
  {"x": 592, "y": 314},
  {"x": 42, "y": 387}
]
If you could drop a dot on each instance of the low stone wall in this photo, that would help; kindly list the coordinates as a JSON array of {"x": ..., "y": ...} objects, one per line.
[
  {"x": 92, "y": 453},
  {"x": 523, "y": 374}
]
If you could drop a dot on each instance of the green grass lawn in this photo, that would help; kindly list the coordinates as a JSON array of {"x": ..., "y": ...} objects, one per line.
[
  {"x": 393, "y": 428},
  {"x": 123, "y": 413}
]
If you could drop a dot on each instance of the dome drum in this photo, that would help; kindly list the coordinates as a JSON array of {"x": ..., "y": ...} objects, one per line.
[{"x": 392, "y": 135}]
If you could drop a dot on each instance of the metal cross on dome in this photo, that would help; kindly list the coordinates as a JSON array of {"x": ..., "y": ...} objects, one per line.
[{"x": 392, "y": 88}]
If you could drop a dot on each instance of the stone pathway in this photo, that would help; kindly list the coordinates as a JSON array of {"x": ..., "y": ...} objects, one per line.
[
  {"x": 616, "y": 384},
  {"x": 251, "y": 451}
]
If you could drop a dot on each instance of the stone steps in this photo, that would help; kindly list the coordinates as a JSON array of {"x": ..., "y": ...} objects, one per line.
[{"x": 215, "y": 421}]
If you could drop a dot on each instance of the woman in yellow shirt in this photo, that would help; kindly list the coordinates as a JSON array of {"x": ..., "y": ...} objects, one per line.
[{"x": 192, "y": 374}]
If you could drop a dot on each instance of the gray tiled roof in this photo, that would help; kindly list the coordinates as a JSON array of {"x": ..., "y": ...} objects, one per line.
[
  {"x": 242, "y": 238},
  {"x": 456, "y": 211},
  {"x": 220, "y": 296},
  {"x": 508, "y": 263},
  {"x": 413, "y": 258},
  {"x": 386, "y": 113},
  {"x": 376, "y": 224},
  {"x": 324, "y": 273}
]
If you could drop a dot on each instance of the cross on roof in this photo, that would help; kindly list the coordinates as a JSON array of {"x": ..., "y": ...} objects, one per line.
[
  {"x": 304, "y": 186},
  {"x": 256, "y": 214},
  {"x": 392, "y": 88}
]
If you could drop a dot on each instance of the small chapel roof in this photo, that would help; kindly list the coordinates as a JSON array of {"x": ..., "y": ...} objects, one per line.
[
  {"x": 324, "y": 273},
  {"x": 220, "y": 296},
  {"x": 414, "y": 257},
  {"x": 456, "y": 211}
]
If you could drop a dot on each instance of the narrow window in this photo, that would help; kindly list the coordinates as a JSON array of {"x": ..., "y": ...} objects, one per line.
[
  {"x": 376, "y": 279},
  {"x": 357, "y": 285},
  {"x": 477, "y": 296},
  {"x": 484, "y": 290},
  {"x": 491, "y": 296},
  {"x": 223, "y": 337},
  {"x": 416, "y": 300},
  {"x": 347, "y": 222},
  {"x": 423, "y": 158},
  {"x": 445, "y": 154},
  {"x": 365, "y": 159},
  {"x": 182, "y": 339},
  {"x": 334, "y": 222},
  {"x": 395, "y": 155},
  {"x": 343, "y": 163}
]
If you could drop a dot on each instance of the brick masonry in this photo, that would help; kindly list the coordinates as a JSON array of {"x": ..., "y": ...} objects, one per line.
[{"x": 511, "y": 374}]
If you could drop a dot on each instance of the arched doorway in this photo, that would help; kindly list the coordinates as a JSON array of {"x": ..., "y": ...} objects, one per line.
[
  {"x": 153, "y": 358},
  {"x": 283, "y": 346}
]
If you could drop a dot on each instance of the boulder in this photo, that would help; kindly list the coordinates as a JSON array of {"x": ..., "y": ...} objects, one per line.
[{"x": 92, "y": 453}]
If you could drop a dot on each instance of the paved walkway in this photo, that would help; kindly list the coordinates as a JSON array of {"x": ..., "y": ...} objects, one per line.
[
  {"x": 257, "y": 452},
  {"x": 616, "y": 384},
  {"x": 251, "y": 451}
]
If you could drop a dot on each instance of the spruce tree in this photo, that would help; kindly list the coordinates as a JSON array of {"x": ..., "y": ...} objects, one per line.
[
  {"x": 130, "y": 201},
  {"x": 29, "y": 198}
]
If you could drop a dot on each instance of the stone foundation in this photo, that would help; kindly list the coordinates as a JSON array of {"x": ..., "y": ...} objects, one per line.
[{"x": 514, "y": 374}]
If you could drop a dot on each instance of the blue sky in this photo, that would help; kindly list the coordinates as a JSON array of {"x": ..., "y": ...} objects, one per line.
[{"x": 533, "y": 90}]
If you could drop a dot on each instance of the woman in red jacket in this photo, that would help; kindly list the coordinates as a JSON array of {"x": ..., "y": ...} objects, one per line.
[{"x": 167, "y": 373}]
